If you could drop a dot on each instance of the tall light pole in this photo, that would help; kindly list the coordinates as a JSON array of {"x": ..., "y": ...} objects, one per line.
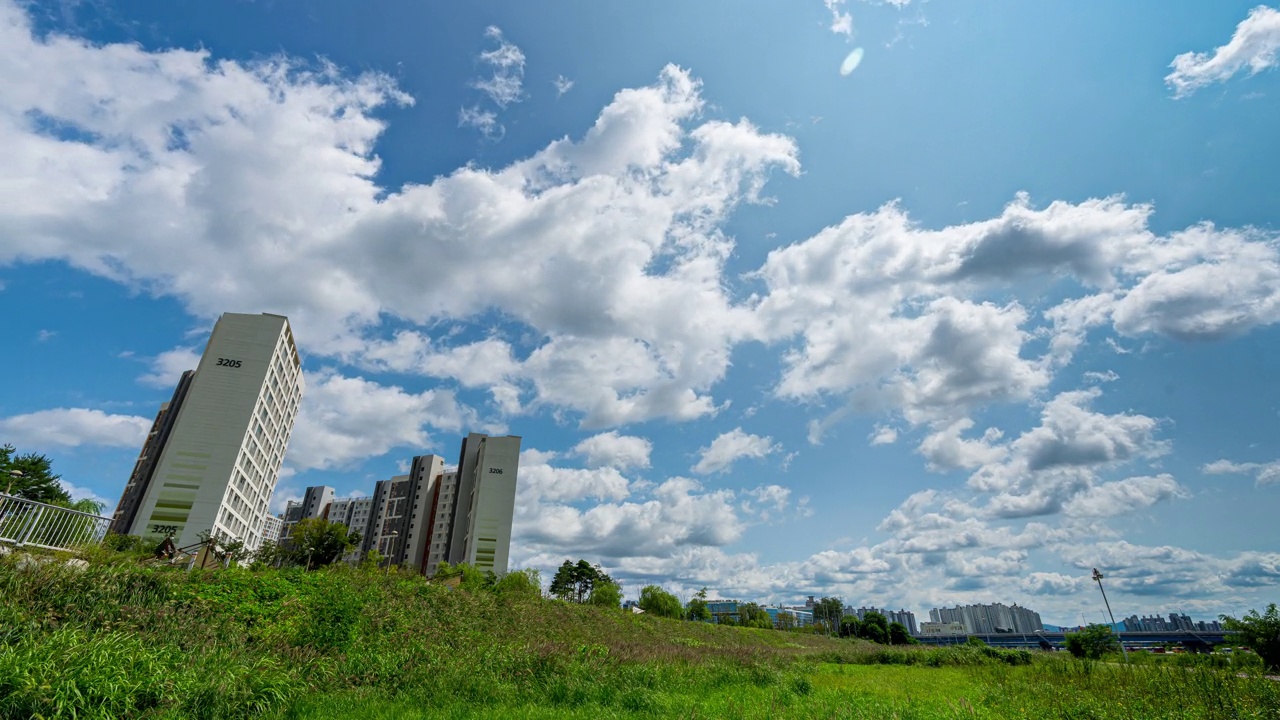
[
  {"x": 1097, "y": 577},
  {"x": 13, "y": 475}
]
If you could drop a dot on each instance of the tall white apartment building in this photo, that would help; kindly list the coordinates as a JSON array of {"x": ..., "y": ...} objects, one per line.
[
  {"x": 221, "y": 459},
  {"x": 474, "y": 526},
  {"x": 351, "y": 511},
  {"x": 271, "y": 527},
  {"x": 487, "y": 541},
  {"x": 993, "y": 618},
  {"x": 440, "y": 523}
]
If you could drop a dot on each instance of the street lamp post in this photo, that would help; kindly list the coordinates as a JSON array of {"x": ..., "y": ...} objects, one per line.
[
  {"x": 13, "y": 475},
  {"x": 1097, "y": 577}
]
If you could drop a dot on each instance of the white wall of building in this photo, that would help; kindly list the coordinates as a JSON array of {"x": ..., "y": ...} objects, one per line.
[
  {"x": 493, "y": 499},
  {"x": 221, "y": 463}
]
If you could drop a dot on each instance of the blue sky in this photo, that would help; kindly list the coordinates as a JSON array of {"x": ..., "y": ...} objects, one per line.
[{"x": 997, "y": 307}]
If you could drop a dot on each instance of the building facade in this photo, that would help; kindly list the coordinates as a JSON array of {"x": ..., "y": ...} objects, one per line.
[
  {"x": 314, "y": 504},
  {"x": 440, "y": 522},
  {"x": 401, "y": 513},
  {"x": 905, "y": 617},
  {"x": 1173, "y": 623},
  {"x": 221, "y": 459},
  {"x": 271, "y": 527},
  {"x": 993, "y": 618},
  {"x": 930, "y": 629},
  {"x": 487, "y": 542},
  {"x": 422, "y": 519},
  {"x": 144, "y": 469}
]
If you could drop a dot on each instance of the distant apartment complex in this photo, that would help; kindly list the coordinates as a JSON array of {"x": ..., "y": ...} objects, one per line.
[
  {"x": 430, "y": 516},
  {"x": 212, "y": 459},
  {"x": 1176, "y": 622},
  {"x": 905, "y": 617},
  {"x": 271, "y": 527},
  {"x": 987, "y": 619}
]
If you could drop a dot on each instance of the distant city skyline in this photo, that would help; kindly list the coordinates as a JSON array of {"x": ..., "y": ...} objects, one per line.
[{"x": 431, "y": 514}]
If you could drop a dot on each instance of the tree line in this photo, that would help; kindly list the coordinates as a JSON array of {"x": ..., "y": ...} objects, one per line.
[{"x": 30, "y": 476}]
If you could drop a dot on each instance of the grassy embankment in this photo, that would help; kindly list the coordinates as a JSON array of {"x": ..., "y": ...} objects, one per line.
[{"x": 119, "y": 640}]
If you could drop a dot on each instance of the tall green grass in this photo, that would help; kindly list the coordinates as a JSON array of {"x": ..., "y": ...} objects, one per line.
[{"x": 125, "y": 640}]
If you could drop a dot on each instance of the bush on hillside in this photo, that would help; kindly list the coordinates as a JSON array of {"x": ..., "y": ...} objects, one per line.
[
  {"x": 656, "y": 601},
  {"x": 1092, "y": 642}
]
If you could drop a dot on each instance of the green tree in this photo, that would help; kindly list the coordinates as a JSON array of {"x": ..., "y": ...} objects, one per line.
[
  {"x": 575, "y": 581},
  {"x": 697, "y": 609},
  {"x": 37, "y": 481},
  {"x": 898, "y": 634},
  {"x": 827, "y": 613},
  {"x": 850, "y": 627},
  {"x": 875, "y": 627},
  {"x": 268, "y": 554},
  {"x": 1260, "y": 633},
  {"x": 521, "y": 583},
  {"x": 975, "y": 641},
  {"x": 562, "y": 583},
  {"x": 656, "y": 601},
  {"x": 318, "y": 542},
  {"x": 752, "y": 615},
  {"x": 606, "y": 594},
  {"x": 1092, "y": 642}
]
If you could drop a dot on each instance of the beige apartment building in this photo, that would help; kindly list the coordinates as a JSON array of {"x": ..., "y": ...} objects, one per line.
[{"x": 220, "y": 458}]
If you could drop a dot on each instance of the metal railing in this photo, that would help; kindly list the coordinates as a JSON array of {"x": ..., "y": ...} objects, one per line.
[{"x": 27, "y": 522}]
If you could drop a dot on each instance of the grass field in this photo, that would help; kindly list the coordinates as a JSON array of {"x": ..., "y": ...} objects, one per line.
[{"x": 120, "y": 640}]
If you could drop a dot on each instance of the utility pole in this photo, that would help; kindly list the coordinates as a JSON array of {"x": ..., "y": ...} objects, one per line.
[{"x": 1097, "y": 577}]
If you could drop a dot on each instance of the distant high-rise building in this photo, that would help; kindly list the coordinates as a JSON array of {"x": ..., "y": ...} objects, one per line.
[
  {"x": 905, "y": 617},
  {"x": 314, "y": 504},
  {"x": 144, "y": 468},
  {"x": 217, "y": 467},
  {"x": 422, "y": 519},
  {"x": 986, "y": 619},
  {"x": 401, "y": 513},
  {"x": 271, "y": 527},
  {"x": 1176, "y": 622},
  {"x": 485, "y": 501},
  {"x": 352, "y": 511},
  {"x": 440, "y": 522}
]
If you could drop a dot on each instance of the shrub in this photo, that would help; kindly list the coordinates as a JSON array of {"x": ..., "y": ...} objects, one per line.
[
  {"x": 656, "y": 601},
  {"x": 605, "y": 594},
  {"x": 1092, "y": 643},
  {"x": 1260, "y": 632}
]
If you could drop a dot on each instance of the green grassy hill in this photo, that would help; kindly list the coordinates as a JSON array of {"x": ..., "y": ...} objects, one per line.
[{"x": 120, "y": 640}]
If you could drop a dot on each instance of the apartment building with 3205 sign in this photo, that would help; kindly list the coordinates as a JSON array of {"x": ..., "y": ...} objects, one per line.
[{"x": 213, "y": 457}]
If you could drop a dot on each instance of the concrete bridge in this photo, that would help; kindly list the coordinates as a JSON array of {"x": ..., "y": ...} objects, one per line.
[{"x": 1190, "y": 639}]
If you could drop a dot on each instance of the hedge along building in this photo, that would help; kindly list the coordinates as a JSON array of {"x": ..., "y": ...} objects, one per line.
[{"x": 217, "y": 466}]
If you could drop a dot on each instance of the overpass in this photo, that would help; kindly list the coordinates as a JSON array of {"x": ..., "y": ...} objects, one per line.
[{"x": 1190, "y": 639}]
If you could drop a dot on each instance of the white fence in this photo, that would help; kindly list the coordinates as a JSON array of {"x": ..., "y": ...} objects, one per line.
[{"x": 26, "y": 522}]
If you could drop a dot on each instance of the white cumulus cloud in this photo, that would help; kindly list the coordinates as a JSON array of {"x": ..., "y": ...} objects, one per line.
[
  {"x": 74, "y": 427},
  {"x": 1252, "y": 48},
  {"x": 1263, "y": 473},
  {"x": 615, "y": 451},
  {"x": 730, "y": 447}
]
